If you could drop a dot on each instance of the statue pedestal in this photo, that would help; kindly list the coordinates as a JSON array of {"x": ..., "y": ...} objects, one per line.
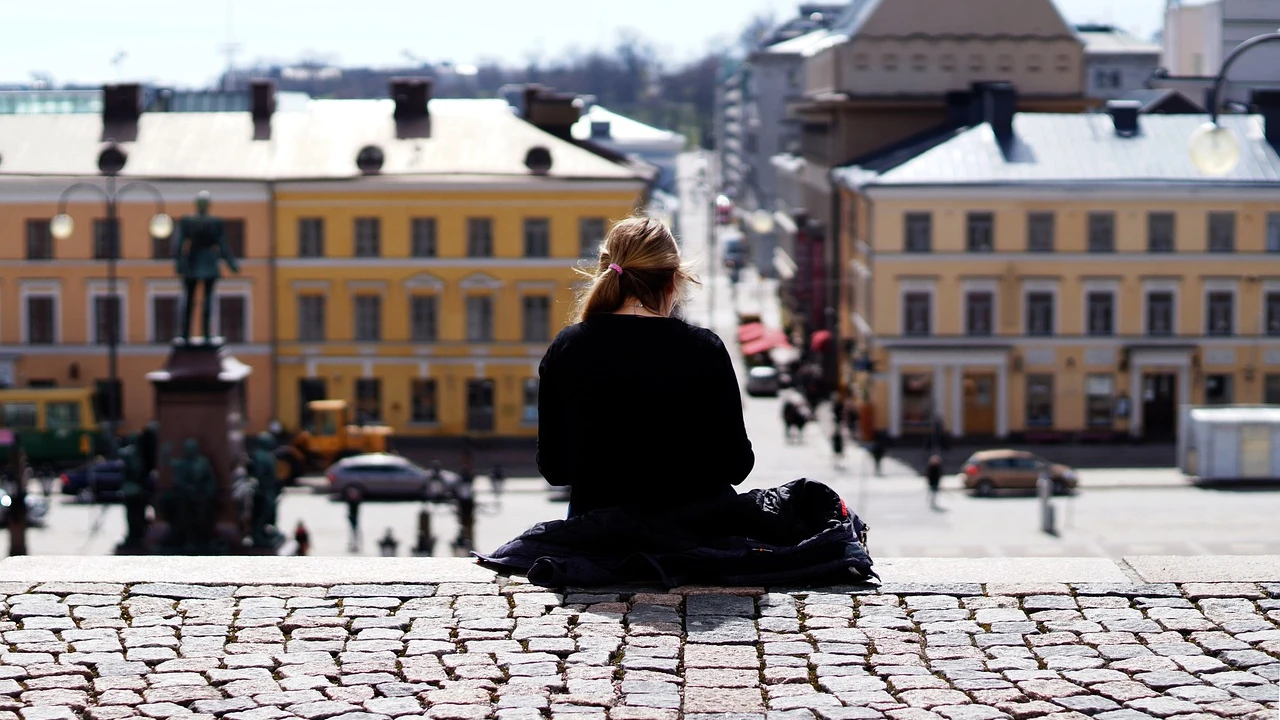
[{"x": 200, "y": 394}]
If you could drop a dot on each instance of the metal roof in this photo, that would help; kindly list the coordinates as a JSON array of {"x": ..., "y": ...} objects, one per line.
[
  {"x": 1105, "y": 40},
  {"x": 466, "y": 137},
  {"x": 1074, "y": 149}
]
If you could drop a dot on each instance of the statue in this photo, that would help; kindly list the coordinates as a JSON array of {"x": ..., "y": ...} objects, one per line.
[
  {"x": 199, "y": 250},
  {"x": 136, "y": 490},
  {"x": 262, "y": 464},
  {"x": 189, "y": 504}
]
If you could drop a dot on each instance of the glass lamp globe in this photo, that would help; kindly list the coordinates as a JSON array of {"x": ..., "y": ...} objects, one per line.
[
  {"x": 1214, "y": 149},
  {"x": 61, "y": 226},
  {"x": 161, "y": 226},
  {"x": 762, "y": 222}
]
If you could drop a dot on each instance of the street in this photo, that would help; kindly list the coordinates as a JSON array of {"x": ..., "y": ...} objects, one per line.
[{"x": 1117, "y": 512}]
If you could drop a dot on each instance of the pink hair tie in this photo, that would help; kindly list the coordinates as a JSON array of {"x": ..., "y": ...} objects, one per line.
[{"x": 616, "y": 268}]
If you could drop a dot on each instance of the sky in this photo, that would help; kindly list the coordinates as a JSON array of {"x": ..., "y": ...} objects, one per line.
[{"x": 91, "y": 41}]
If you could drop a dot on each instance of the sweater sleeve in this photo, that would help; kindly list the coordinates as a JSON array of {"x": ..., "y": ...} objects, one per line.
[
  {"x": 552, "y": 443},
  {"x": 733, "y": 447}
]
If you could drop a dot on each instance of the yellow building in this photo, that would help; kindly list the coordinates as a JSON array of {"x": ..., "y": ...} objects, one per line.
[
  {"x": 1060, "y": 276},
  {"x": 425, "y": 291}
]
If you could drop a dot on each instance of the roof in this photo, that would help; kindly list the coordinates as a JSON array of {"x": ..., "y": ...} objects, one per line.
[
  {"x": 1269, "y": 414},
  {"x": 1109, "y": 40},
  {"x": 867, "y": 168},
  {"x": 622, "y": 129},
  {"x": 1055, "y": 149},
  {"x": 467, "y": 137},
  {"x": 933, "y": 19},
  {"x": 801, "y": 45},
  {"x": 1163, "y": 100}
]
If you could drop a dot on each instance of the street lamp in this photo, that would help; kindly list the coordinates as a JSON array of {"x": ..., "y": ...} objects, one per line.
[
  {"x": 110, "y": 162},
  {"x": 1215, "y": 149}
]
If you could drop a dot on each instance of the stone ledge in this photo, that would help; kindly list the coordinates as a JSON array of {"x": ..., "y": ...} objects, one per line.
[{"x": 1206, "y": 568}]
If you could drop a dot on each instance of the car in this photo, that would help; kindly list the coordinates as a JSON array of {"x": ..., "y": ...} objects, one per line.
[
  {"x": 763, "y": 381},
  {"x": 990, "y": 470},
  {"x": 98, "y": 480},
  {"x": 37, "y": 508},
  {"x": 386, "y": 475},
  {"x": 735, "y": 253}
]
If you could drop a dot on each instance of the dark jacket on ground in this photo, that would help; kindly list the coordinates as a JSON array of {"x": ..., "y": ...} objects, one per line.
[
  {"x": 640, "y": 411},
  {"x": 801, "y": 532}
]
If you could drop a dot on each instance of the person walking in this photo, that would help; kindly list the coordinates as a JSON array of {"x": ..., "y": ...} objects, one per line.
[
  {"x": 933, "y": 475},
  {"x": 302, "y": 538},
  {"x": 877, "y": 451},
  {"x": 352, "y": 497},
  {"x": 497, "y": 479}
]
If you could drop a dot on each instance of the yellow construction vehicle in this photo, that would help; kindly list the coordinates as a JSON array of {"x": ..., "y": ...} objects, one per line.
[{"x": 328, "y": 438}]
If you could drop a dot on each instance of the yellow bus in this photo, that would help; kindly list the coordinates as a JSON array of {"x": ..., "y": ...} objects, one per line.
[{"x": 57, "y": 427}]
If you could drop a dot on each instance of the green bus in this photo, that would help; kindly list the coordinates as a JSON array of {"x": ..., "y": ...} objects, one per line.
[{"x": 56, "y": 426}]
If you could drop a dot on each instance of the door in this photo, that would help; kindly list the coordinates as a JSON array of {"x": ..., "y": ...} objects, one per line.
[
  {"x": 309, "y": 389},
  {"x": 980, "y": 404},
  {"x": 1026, "y": 472},
  {"x": 480, "y": 405},
  {"x": 1159, "y": 406}
]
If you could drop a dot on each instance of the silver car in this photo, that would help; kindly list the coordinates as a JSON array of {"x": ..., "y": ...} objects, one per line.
[
  {"x": 762, "y": 381},
  {"x": 386, "y": 475}
]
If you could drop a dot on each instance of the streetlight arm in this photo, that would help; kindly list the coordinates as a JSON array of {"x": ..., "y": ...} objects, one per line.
[
  {"x": 62, "y": 201},
  {"x": 148, "y": 187},
  {"x": 1218, "y": 81}
]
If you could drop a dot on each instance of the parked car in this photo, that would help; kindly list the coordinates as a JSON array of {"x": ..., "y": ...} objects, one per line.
[
  {"x": 98, "y": 480},
  {"x": 37, "y": 508},
  {"x": 386, "y": 475},
  {"x": 990, "y": 470},
  {"x": 735, "y": 253},
  {"x": 763, "y": 381}
]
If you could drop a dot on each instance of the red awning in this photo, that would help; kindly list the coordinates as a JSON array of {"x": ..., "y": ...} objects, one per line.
[
  {"x": 750, "y": 331},
  {"x": 770, "y": 340},
  {"x": 820, "y": 340}
]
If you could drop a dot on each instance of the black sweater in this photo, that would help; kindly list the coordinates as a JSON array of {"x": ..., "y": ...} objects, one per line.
[{"x": 640, "y": 411}]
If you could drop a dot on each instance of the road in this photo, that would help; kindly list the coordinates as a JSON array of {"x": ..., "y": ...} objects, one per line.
[{"x": 1119, "y": 512}]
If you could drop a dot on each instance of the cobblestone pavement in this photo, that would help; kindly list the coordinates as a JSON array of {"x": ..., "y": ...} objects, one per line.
[{"x": 513, "y": 651}]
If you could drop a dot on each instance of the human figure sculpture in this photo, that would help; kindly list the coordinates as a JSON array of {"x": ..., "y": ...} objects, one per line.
[
  {"x": 262, "y": 464},
  {"x": 200, "y": 247},
  {"x": 189, "y": 502},
  {"x": 136, "y": 491}
]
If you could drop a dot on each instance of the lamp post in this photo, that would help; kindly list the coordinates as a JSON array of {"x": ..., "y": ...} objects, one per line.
[
  {"x": 110, "y": 162},
  {"x": 1214, "y": 148}
]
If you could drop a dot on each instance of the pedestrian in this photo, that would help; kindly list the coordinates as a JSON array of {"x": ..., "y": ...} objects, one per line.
[
  {"x": 302, "y": 538},
  {"x": 933, "y": 475},
  {"x": 497, "y": 478},
  {"x": 851, "y": 418},
  {"x": 837, "y": 444},
  {"x": 352, "y": 497},
  {"x": 877, "y": 451},
  {"x": 46, "y": 482}
]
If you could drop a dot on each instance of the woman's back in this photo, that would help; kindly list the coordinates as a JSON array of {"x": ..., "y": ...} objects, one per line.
[{"x": 640, "y": 410}]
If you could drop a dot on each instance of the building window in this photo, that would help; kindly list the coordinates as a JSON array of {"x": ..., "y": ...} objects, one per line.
[
  {"x": 39, "y": 240},
  {"x": 537, "y": 318},
  {"x": 1040, "y": 232},
  {"x": 233, "y": 320},
  {"x": 537, "y": 237},
  {"x": 311, "y": 237},
  {"x": 480, "y": 405},
  {"x": 1220, "y": 318},
  {"x": 977, "y": 62},
  {"x": 422, "y": 236},
  {"x": 1102, "y": 312},
  {"x": 1160, "y": 227},
  {"x": 41, "y": 320},
  {"x": 590, "y": 235},
  {"x": 1004, "y": 63},
  {"x": 1102, "y": 232},
  {"x": 917, "y": 400},
  {"x": 164, "y": 318},
  {"x": 916, "y": 312},
  {"x": 310, "y": 390},
  {"x": 108, "y": 400},
  {"x": 1099, "y": 392},
  {"x": 1273, "y": 232},
  {"x": 423, "y": 318},
  {"x": 1040, "y": 313},
  {"x": 1273, "y": 314},
  {"x": 368, "y": 318},
  {"x": 918, "y": 233},
  {"x": 107, "y": 319},
  {"x": 862, "y": 61},
  {"x": 422, "y": 392},
  {"x": 1035, "y": 63},
  {"x": 1160, "y": 314},
  {"x": 234, "y": 230},
  {"x": 529, "y": 414},
  {"x": 368, "y": 400},
  {"x": 479, "y": 237},
  {"x": 106, "y": 244},
  {"x": 947, "y": 63},
  {"x": 1271, "y": 389},
  {"x": 979, "y": 312},
  {"x": 1222, "y": 232},
  {"x": 1039, "y": 401},
  {"x": 981, "y": 232},
  {"x": 368, "y": 237},
  {"x": 919, "y": 62},
  {"x": 311, "y": 318},
  {"x": 479, "y": 318},
  {"x": 890, "y": 62},
  {"x": 1218, "y": 389}
]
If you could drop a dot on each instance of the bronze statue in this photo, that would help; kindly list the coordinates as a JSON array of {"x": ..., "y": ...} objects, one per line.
[
  {"x": 189, "y": 503},
  {"x": 266, "y": 498},
  {"x": 199, "y": 250},
  {"x": 136, "y": 491}
]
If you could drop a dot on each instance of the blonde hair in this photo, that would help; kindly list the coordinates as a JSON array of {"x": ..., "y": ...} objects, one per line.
[{"x": 649, "y": 259}]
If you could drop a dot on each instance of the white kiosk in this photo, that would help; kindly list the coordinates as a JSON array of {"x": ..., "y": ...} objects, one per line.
[{"x": 1234, "y": 442}]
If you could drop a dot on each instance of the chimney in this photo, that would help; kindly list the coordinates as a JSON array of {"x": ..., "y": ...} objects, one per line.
[
  {"x": 959, "y": 110},
  {"x": 262, "y": 100},
  {"x": 1124, "y": 116},
  {"x": 551, "y": 112},
  {"x": 121, "y": 104},
  {"x": 999, "y": 103},
  {"x": 411, "y": 96},
  {"x": 1267, "y": 103}
]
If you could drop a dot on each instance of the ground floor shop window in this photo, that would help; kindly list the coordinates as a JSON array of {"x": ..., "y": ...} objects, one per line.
[
  {"x": 309, "y": 390},
  {"x": 423, "y": 394},
  {"x": 480, "y": 405},
  {"x": 530, "y": 413},
  {"x": 108, "y": 400},
  {"x": 1099, "y": 393},
  {"x": 917, "y": 400},
  {"x": 1218, "y": 389},
  {"x": 1271, "y": 389},
  {"x": 1039, "y": 401},
  {"x": 368, "y": 400}
]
